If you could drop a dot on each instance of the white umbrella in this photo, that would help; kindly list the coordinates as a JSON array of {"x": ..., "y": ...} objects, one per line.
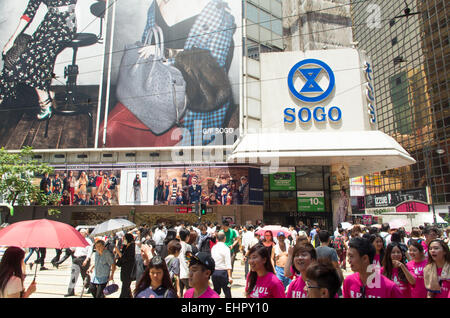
[
  {"x": 397, "y": 223},
  {"x": 346, "y": 225},
  {"x": 112, "y": 226}
]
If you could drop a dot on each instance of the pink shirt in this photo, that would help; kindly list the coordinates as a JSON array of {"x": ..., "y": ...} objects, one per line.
[
  {"x": 405, "y": 287},
  {"x": 418, "y": 290},
  {"x": 376, "y": 260},
  {"x": 209, "y": 293},
  {"x": 267, "y": 286},
  {"x": 297, "y": 288},
  {"x": 352, "y": 288},
  {"x": 445, "y": 287}
]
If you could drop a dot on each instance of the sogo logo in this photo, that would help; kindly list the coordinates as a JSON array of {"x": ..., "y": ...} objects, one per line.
[{"x": 311, "y": 92}]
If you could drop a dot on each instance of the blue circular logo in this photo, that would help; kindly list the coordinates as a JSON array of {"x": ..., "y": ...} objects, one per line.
[{"x": 310, "y": 74}]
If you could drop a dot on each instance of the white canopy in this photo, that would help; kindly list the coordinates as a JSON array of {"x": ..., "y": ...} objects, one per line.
[{"x": 364, "y": 151}]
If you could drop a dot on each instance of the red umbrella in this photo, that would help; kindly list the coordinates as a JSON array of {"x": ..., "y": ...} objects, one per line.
[
  {"x": 41, "y": 233},
  {"x": 274, "y": 229}
]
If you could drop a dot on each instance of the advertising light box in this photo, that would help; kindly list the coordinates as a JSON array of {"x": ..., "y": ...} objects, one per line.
[
  {"x": 284, "y": 180},
  {"x": 310, "y": 201}
]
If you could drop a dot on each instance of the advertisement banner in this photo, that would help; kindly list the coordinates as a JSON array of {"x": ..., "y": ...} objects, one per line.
[
  {"x": 311, "y": 201},
  {"x": 284, "y": 180},
  {"x": 174, "y": 74},
  {"x": 51, "y": 73},
  {"x": 145, "y": 184},
  {"x": 394, "y": 198}
]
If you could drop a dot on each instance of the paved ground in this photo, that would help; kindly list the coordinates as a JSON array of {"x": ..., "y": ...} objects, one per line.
[{"x": 53, "y": 283}]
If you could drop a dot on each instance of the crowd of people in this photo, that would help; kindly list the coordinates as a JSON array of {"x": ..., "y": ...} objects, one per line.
[
  {"x": 197, "y": 261},
  {"x": 90, "y": 188},
  {"x": 223, "y": 191}
]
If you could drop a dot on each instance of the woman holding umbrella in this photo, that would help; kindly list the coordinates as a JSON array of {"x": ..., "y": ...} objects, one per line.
[{"x": 12, "y": 275}]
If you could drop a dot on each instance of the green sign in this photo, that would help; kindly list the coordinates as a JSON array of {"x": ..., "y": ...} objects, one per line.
[
  {"x": 310, "y": 201},
  {"x": 283, "y": 180}
]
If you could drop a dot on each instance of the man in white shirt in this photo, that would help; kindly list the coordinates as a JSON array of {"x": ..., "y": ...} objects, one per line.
[
  {"x": 80, "y": 263},
  {"x": 159, "y": 237},
  {"x": 186, "y": 250},
  {"x": 221, "y": 277},
  {"x": 250, "y": 242}
]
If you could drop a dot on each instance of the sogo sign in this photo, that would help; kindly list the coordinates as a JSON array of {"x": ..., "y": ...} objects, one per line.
[{"x": 311, "y": 92}]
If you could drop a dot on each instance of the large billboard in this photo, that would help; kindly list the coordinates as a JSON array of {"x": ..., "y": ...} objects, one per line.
[
  {"x": 50, "y": 73},
  {"x": 144, "y": 184},
  {"x": 174, "y": 74},
  {"x": 111, "y": 74}
]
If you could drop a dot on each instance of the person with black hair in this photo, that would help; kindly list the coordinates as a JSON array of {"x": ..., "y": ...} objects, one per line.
[
  {"x": 173, "y": 263},
  {"x": 104, "y": 271},
  {"x": 324, "y": 251},
  {"x": 301, "y": 256},
  {"x": 170, "y": 236},
  {"x": 156, "y": 281},
  {"x": 416, "y": 266},
  {"x": 221, "y": 277},
  {"x": 340, "y": 246},
  {"x": 366, "y": 282},
  {"x": 126, "y": 260},
  {"x": 201, "y": 268},
  {"x": 431, "y": 233},
  {"x": 262, "y": 281},
  {"x": 322, "y": 280},
  {"x": 378, "y": 244},
  {"x": 204, "y": 239},
  {"x": 12, "y": 274},
  {"x": 185, "y": 255},
  {"x": 437, "y": 271},
  {"x": 394, "y": 268}
]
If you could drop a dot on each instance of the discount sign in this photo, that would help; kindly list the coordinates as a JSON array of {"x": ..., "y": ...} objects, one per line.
[{"x": 311, "y": 201}]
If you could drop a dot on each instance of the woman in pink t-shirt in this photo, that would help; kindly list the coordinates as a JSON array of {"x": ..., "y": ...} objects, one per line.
[
  {"x": 416, "y": 267},
  {"x": 377, "y": 242},
  {"x": 394, "y": 268},
  {"x": 437, "y": 272},
  {"x": 302, "y": 255},
  {"x": 261, "y": 281}
]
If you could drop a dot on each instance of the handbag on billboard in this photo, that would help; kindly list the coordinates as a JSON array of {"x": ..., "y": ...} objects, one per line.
[
  {"x": 208, "y": 87},
  {"x": 13, "y": 55},
  {"x": 154, "y": 91}
]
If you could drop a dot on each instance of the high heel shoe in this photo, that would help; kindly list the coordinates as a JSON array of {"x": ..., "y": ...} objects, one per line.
[{"x": 46, "y": 109}]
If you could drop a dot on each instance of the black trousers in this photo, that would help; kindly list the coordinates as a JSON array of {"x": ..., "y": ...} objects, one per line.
[
  {"x": 58, "y": 255},
  {"x": 184, "y": 283},
  {"x": 220, "y": 281},
  {"x": 126, "y": 289},
  {"x": 40, "y": 260},
  {"x": 97, "y": 290}
]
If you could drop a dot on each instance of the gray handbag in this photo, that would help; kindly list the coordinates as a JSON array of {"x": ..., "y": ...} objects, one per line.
[{"x": 155, "y": 92}]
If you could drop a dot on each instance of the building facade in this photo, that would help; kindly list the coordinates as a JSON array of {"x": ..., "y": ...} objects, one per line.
[
  {"x": 409, "y": 46},
  {"x": 290, "y": 119}
]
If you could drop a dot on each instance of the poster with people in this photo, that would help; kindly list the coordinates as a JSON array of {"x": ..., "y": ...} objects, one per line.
[
  {"x": 50, "y": 72},
  {"x": 83, "y": 186},
  {"x": 174, "y": 75},
  {"x": 209, "y": 185}
]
